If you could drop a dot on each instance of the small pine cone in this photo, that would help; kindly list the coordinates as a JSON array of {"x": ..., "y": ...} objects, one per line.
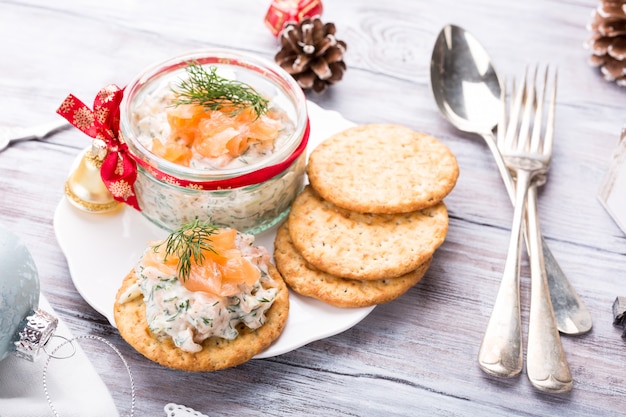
[
  {"x": 311, "y": 54},
  {"x": 608, "y": 40}
]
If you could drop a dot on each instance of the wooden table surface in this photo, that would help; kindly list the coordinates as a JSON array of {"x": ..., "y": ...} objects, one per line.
[{"x": 417, "y": 354}]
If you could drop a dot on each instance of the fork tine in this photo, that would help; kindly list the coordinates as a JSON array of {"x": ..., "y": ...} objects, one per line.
[
  {"x": 502, "y": 123},
  {"x": 535, "y": 141},
  {"x": 529, "y": 105},
  {"x": 549, "y": 134},
  {"x": 516, "y": 105}
]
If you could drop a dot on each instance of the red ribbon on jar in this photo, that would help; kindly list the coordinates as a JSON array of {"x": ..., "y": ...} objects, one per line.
[
  {"x": 282, "y": 11},
  {"x": 118, "y": 170}
]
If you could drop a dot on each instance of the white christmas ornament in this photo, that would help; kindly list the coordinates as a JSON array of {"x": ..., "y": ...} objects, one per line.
[{"x": 24, "y": 329}]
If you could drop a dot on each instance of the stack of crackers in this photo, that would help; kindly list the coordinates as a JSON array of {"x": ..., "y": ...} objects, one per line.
[{"x": 365, "y": 229}]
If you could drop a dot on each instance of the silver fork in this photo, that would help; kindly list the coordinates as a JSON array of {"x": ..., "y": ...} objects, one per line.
[
  {"x": 9, "y": 135},
  {"x": 528, "y": 157},
  {"x": 546, "y": 365},
  {"x": 500, "y": 352}
]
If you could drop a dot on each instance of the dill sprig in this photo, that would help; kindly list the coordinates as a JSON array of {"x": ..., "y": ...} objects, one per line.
[
  {"x": 188, "y": 243},
  {"x": 208, "y": 89}
]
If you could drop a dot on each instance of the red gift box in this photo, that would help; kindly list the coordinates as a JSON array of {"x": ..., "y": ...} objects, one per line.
[{"x": 283, "y": 11}]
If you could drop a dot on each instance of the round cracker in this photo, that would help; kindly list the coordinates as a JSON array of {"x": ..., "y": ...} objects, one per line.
[
  {"x": 362, "y": 246},
  {"x": 217, "y": 353},
  {"x": 382, "y": 168},
  {"x": 309, "y": 281}
]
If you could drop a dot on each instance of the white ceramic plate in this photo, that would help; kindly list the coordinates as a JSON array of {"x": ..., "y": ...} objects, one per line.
[{"x": 102, "y": 248}]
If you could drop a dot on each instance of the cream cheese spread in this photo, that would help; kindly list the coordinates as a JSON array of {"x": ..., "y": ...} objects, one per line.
[{"x": 190, "y": 317}]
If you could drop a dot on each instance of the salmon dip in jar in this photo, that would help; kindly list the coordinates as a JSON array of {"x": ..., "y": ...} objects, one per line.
[{"x": 218, "y": 136}]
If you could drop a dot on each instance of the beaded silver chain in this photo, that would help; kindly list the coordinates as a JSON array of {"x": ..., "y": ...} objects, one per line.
[{"x": 100, "y": 339}]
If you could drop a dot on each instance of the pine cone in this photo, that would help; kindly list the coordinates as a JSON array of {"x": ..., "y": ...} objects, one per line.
[
  {"x": 311, "y": 54},
  {"x": 608, "y": 40}
]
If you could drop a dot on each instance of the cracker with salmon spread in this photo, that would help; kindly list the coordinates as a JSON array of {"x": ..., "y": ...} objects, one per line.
[
  {"x": 309, "y": 281},
  {"x": 147, "y": 315},
  {"x": 362, "y": 246},
  {"x": 382, "y": 168},
  {"x": 216, "y": 353}
]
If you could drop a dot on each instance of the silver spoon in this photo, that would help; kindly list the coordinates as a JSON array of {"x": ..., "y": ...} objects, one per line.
[
  {"x": 467, "y": 91},
  {"x": 10, "y": 135}
]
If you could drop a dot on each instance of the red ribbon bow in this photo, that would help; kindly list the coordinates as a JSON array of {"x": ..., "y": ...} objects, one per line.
[{"x": 119, "y": 169}]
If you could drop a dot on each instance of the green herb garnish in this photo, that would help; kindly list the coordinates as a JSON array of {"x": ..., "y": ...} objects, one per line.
[
  {"x": 208, "y": 89},
  {"x": 188, "y": 243}
]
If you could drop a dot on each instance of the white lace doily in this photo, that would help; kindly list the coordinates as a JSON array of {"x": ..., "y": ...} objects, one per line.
[{"x": 177, "y": 410}]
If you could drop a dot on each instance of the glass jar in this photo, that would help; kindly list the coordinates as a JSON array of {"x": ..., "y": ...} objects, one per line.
[{"x": 250, "y": 196}]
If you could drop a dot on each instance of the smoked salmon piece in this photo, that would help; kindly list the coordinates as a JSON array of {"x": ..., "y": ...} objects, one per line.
[
  {"x": 214, "y": 133},
  {"x": 221, "y": 272}
]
